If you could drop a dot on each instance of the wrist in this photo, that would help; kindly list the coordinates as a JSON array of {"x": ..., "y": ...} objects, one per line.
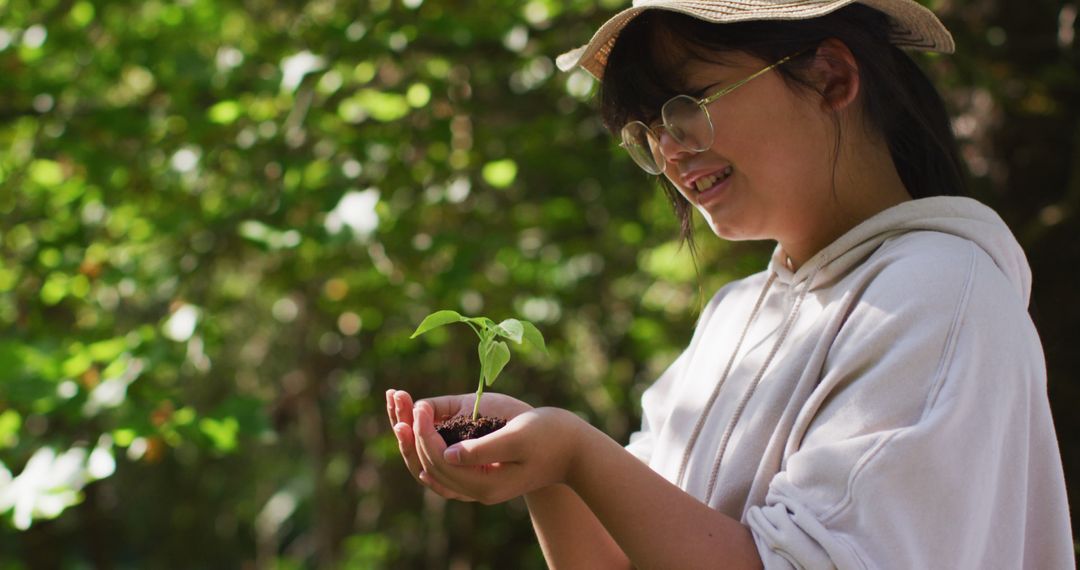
[
  {"x": 546, "y": 493},
  {"x": 580, "y": 446}
]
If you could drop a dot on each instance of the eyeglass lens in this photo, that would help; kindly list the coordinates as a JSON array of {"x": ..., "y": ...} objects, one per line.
[{"x": 684, "y": 120}]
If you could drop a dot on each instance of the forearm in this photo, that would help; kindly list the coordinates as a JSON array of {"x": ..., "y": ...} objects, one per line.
[
  {"x": 655, "y": 523},
  {"x": 569, "y": 534}
]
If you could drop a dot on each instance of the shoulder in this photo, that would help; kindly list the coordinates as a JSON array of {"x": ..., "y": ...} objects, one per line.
[
  {"x": 937, "y": 297},
  {"x": 933, "y": 272},
  {"x": 737, "y": 290}
]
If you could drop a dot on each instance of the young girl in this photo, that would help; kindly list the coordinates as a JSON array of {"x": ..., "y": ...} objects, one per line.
[{"x": 876, "y": 398}]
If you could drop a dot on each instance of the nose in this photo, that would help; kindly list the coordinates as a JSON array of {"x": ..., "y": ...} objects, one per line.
[{"x": 671, "y": 149}]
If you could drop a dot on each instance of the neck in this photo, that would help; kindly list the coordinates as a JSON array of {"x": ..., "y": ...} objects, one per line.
[{"x": 866, "y": 183}]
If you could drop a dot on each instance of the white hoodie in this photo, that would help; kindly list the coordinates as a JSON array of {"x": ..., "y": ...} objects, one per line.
[{"x": 883, "y": 407}]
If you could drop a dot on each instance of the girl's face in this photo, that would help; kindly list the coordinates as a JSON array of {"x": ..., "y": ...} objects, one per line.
[{"x": 768, "y": 173}]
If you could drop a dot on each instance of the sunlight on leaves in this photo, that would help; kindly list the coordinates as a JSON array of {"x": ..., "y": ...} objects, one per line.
[
  {"x": 51, "y": 481},
  {"x": 500, "y": 173},
  {"x": 222, "y": 432}
]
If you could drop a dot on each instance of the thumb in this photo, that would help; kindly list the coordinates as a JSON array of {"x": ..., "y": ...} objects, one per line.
[{"x": 495, "y": 447}]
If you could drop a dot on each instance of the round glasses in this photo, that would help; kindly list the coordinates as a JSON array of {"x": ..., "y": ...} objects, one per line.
[{"x": 685, "y": 119}]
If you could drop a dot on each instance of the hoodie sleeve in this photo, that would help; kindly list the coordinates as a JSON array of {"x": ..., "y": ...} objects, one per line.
[
  {"x": 657, "y": 400},
  {"x": 928, "y": 442},
  {"x": 654, "y": 408}
]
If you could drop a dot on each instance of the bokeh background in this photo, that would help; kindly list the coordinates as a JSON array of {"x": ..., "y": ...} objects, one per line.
[{"x": 222, "y": 219}]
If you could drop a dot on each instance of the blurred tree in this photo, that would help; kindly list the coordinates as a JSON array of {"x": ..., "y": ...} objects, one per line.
[{"x": 222, "y": 220}]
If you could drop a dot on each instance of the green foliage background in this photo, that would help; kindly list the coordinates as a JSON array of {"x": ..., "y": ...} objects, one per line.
[{"x": 222, "y": 219}]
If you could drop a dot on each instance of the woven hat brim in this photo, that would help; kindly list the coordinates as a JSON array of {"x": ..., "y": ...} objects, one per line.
[{"x": 912, "y": 25}]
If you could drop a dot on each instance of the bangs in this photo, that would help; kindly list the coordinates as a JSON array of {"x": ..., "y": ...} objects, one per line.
[
  {"x": 641, "y": 72},
  {"x": 646, "y": 65}
]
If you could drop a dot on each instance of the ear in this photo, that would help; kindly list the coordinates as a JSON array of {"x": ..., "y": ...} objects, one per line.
[{"x": 837, "y": 74}]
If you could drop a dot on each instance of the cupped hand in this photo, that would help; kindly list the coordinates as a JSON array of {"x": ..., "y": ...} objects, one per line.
[
  {"x": 534, "y": 450},
  {"x": 399, "y": 408}
]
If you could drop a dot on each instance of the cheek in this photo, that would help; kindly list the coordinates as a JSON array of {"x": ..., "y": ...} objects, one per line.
[
  {"x": 676, "y": 184},
  {"x": 780, "y": 145}
]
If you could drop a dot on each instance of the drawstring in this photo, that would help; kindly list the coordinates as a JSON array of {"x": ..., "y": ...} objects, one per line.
[
  {"x": 749, "y": 392},
  {"x": 753, "y": 385},
  {"x": 716, "y": 391}
]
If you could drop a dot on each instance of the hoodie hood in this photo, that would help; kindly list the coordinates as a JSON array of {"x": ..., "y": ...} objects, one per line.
[{"x": 958, "y": 216}]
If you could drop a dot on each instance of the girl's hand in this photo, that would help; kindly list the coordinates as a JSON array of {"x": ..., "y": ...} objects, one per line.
[
  {"x": 399, "y": 408},
  {"x": 534, "y": 450}
]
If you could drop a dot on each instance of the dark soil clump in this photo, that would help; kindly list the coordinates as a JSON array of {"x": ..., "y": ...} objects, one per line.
[{"x": 459, "y": 428}]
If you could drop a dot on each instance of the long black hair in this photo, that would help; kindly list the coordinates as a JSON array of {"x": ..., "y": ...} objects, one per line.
[{"x": 900, "y": 102}]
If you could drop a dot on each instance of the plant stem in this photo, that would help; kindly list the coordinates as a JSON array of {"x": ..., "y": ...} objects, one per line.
[
  {"x": 480, "y": 388},
  {"x": 479, "y": 392},
  {"x": 475, "y": 330}
]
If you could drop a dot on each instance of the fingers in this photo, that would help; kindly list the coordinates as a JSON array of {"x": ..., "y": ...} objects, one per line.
[
  {"x": 409, "y": 427},
  {"x": 441, "y": 489},
  {"x": 448, "y": 406},
  {"x": 430, "y": 447},
  {"x": 498, "y": 447},
  {"x": 391, "y": 412},
  {"x": 407, "y": 446},
  {"x": 399, "y": 406},
  {"x": 473, "y": 482},
  {"x": 428, "y": 441},
  {"x": 403, "y": 403}
]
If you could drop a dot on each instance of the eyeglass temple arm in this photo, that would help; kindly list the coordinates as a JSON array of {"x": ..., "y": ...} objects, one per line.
[{"x": 742, "y": 82}]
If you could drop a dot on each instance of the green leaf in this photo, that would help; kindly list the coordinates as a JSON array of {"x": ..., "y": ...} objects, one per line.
[
  {"x": 383, "y": 107},
  {"x": 222, "y": 433},
  {"x": 107, "y": 350},
  {"x": 418, "y": 95},
  {"x": 77, "y": 364},
  {"x": 511, "y": 329},
  {"x": 532, "y": 336},
  {"x": 436, "y": 320},
  {"x": 225, "y": 112},
  {"x": 46, "y": 173},
  {"x": 10, "y": 422},
  {"x": 500, "y": 173},
  {"x": 494, "y": 354},
  {"x": 484, "y": 323},
  {"x": 82, "y": 13}
]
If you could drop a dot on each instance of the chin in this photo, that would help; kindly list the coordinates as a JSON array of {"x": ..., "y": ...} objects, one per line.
[{"x": 729, "y": 232}]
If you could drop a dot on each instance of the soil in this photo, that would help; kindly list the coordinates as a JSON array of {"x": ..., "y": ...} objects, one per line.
[{"x": 459, "y": 428}]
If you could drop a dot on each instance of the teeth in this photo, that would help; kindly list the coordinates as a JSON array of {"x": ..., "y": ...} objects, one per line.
[{"x": 705, "y": 182}]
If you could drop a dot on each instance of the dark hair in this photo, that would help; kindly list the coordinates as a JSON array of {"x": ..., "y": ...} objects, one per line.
[{"x": 900, "y": 102}]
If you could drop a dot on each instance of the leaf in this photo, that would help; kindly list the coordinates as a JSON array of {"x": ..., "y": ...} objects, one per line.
[
  {"x": 484, "y": 322},
  {"x": 107, "y": 350},
  {"x": 533, "y": 336},
  {"x": 511, "y": 329},
  {"x": 46, "y": 173},
  {"x": 500, "y": 173},
  {"x": 494, "y": 354},
  {"x": 383, "y": 107},
  {"x": 225, "y": 112},
  {"x": 436, "y": 320},
  {"x": 222, "y": 433}
]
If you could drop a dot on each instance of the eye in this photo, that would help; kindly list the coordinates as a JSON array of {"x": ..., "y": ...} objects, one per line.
[
  {"x": 700, "y": 93},
  {"x": 706, "y": 90}
]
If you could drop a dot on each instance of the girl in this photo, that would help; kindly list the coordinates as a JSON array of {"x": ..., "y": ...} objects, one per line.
[{"x": 874, "y": 399}]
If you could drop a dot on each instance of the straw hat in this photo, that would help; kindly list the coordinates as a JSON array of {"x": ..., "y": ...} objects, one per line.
[{"x": 913, "y": 26}]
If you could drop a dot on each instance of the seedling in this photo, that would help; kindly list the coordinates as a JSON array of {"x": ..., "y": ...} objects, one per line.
[{"x": 494, "y": 353}]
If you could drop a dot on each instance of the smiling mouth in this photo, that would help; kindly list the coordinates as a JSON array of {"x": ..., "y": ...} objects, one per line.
[{"x": 705, "y": 182}]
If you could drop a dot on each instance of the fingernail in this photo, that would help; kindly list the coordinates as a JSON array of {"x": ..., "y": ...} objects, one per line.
[{"x": 452, "y": 454}]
